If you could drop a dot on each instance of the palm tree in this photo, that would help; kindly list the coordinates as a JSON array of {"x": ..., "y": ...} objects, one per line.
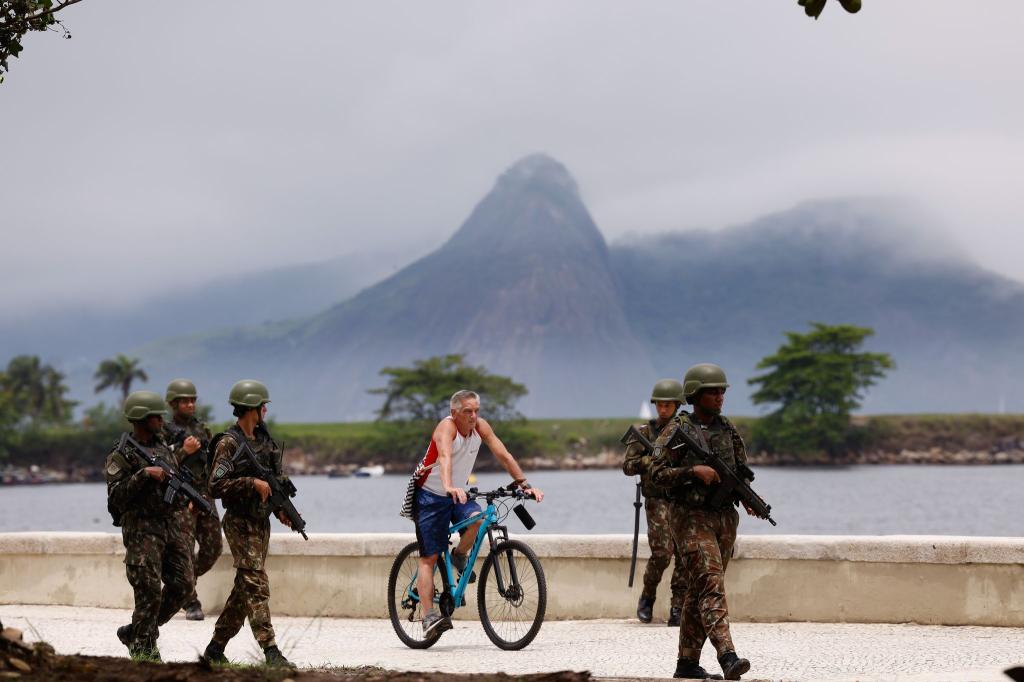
[
  {"x": 36, "y": 390},
  {"x": 119, "y": 373}
]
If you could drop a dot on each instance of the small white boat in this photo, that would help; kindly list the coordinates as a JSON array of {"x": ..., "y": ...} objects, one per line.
[{"x": 369, "y": 471}]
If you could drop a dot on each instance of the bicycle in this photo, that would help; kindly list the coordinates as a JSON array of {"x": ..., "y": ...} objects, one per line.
[{"x": 511, "y": 593}]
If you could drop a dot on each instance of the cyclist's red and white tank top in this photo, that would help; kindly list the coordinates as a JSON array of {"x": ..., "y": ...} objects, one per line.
[{"x": 464, "y": 452}]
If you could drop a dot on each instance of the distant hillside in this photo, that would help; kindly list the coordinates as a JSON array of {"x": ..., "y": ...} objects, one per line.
[
  {"x": 524, "y": 287},
  {"x": 76, "y": 337},
  {"x": 727, "y": 296},
  {"x": 528, "y": 287}
]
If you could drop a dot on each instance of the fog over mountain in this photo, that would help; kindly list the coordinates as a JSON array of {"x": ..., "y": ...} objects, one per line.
[{"x": 528, "y": 287}]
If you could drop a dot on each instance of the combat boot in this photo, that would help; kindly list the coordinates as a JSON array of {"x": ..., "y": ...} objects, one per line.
[
  {"x": 690, "y": 669},
  {"x": 275, "y": 659},
  {"x": 194, "y": 611},
  {"x": 675, "y": 614},
  {"x": 126, "y": 635},
  {"x": 215, "y": 653},
  {"x": 732, "y": 665},
  {"x": 645, "y": 609}
]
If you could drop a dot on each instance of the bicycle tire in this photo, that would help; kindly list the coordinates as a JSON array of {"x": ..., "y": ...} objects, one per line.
[
  {"x": 405, "y": 620},
  {"x": 492, "y": 606}
]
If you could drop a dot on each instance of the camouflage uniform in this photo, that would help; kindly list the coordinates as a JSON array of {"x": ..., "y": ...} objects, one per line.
[
  {"x": 659, "y": 532},
  {"x": 203, "y": 529},
  {"x": 705, "y": 536},
  {"x": 156, "y": 546},
  {"x": 247, "y": 528}
]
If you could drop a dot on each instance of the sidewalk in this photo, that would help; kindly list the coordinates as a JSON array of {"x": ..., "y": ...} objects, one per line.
[{"x": 619, "y": 649}]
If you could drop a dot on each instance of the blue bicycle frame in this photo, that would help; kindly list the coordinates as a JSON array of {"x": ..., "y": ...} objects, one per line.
[{"x": 488, "y": 527}]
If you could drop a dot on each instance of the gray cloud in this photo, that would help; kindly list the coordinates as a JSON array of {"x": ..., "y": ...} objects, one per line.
[{"x": 204, "y": 138}]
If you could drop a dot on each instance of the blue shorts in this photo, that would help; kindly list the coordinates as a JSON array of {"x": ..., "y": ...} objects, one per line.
[{"x": 434, "y": 514}]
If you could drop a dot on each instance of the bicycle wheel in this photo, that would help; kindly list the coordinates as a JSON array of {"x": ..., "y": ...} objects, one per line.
[
  {"x": 512, "y": 595},
  {"x": 403, "y": 601}
]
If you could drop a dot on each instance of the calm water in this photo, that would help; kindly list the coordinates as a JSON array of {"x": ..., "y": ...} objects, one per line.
[{"x": 926, "y": 500}]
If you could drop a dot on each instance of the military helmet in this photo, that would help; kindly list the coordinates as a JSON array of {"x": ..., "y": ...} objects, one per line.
[
  {"x": 249, "y": 393},
  {"x": 180, "y": 388},
  {"x": 142, "y": 404},
  {"x": 667, "y": 389},
  {"x": 703, "y": 375}
]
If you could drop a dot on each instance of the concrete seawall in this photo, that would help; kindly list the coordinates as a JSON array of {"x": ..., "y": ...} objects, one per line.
[{"x": 937, "y": 580}]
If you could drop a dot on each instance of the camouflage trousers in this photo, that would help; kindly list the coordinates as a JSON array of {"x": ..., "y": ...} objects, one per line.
[
  {"x": 705, "y": 540},
  {"x": 663, "y": 549},
  {"x": 155, "y": 551},
  {"x": 204, "y": 531},
  {"x": 248, "y": 540}
]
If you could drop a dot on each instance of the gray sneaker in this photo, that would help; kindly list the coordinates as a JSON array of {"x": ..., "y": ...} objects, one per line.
[{"x": 434, "y": 623}]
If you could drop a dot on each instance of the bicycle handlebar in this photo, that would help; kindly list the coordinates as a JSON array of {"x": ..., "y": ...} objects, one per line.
[{"x": 511, "y": 490}]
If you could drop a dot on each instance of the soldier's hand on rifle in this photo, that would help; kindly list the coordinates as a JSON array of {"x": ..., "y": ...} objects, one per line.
[
  {"x": 156, "y": 472},
  {"x": 706, "y": 474},
  {"x": 750, "y": 512},
  {"x": 262, "y": 488},
  {"x": 283, "y": 518},
  {"x": 190, "y": 445}
]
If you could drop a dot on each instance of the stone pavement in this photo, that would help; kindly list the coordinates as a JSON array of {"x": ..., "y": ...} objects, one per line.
[{"x": 607, "y": 648}]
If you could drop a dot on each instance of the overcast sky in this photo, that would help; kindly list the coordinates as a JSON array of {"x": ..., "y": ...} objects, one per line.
[{"x": 183, "y": 138}]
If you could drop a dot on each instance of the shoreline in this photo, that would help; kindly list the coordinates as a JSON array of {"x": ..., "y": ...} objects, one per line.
[{"x": 299, "y": 462}]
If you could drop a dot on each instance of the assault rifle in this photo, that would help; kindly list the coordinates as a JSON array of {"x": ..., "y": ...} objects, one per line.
[
  {"x": 733, "y": 485},
  {"x": 280, "y": 493},
  {"x": 178, "y": 480},
  {"x": 637, "y": 505}
]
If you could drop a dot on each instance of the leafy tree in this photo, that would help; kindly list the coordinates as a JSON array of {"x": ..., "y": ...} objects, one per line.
[
  {"x": 18, "y": 17},
  {"x": 120, "y": 372},
  {"x": 817, "y": 379},
  {"x": 422, "y": 392},
  {"x": 8, "y": 423},
  {"x": 35, "y": 391}
]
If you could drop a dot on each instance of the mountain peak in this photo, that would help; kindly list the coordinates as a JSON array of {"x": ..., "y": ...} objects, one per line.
[
  {"x": 534, "y": 208},
  {"x": 538, "y": 169}
]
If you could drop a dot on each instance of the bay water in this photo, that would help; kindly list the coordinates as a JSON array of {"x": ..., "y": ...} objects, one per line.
[{"x": 860, "y": 500}]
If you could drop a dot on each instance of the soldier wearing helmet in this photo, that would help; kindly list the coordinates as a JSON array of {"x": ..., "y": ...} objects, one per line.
[
  {"x": 705, "y": 534},
  {"x": 667, "y": 398},
  {"x": 155, "y": 544},
  {"x": 189, "y": 440},
  {"x": 246, "y": 522}
]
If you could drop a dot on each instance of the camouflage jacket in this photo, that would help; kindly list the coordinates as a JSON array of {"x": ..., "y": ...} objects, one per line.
[
  {"x": 198, "y": 462},
  {"x": 231, "y": 477},
  {"x": 638, "y": 461},
  {"x": 672, "y": 467},
  {"x": 131, "y": 493}
]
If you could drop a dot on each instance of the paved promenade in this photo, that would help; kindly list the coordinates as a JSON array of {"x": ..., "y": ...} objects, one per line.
[{"x": 607, "y": 648}]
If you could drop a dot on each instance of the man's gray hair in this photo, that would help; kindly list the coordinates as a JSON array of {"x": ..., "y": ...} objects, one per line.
[{"x": 462, "y": 396}]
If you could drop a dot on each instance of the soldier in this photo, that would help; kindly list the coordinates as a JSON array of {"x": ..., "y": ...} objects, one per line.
[
  {"x": 246, "y": 522},
  {"x": 155, "y": 545},
  {"x": 190, "y": 440},
  {"x": 705, "y": 536},
  {"x": 667, "y": 398}
]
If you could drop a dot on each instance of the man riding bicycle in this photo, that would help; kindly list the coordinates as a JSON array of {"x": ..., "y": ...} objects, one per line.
[{"x": 439, "y": 502}]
